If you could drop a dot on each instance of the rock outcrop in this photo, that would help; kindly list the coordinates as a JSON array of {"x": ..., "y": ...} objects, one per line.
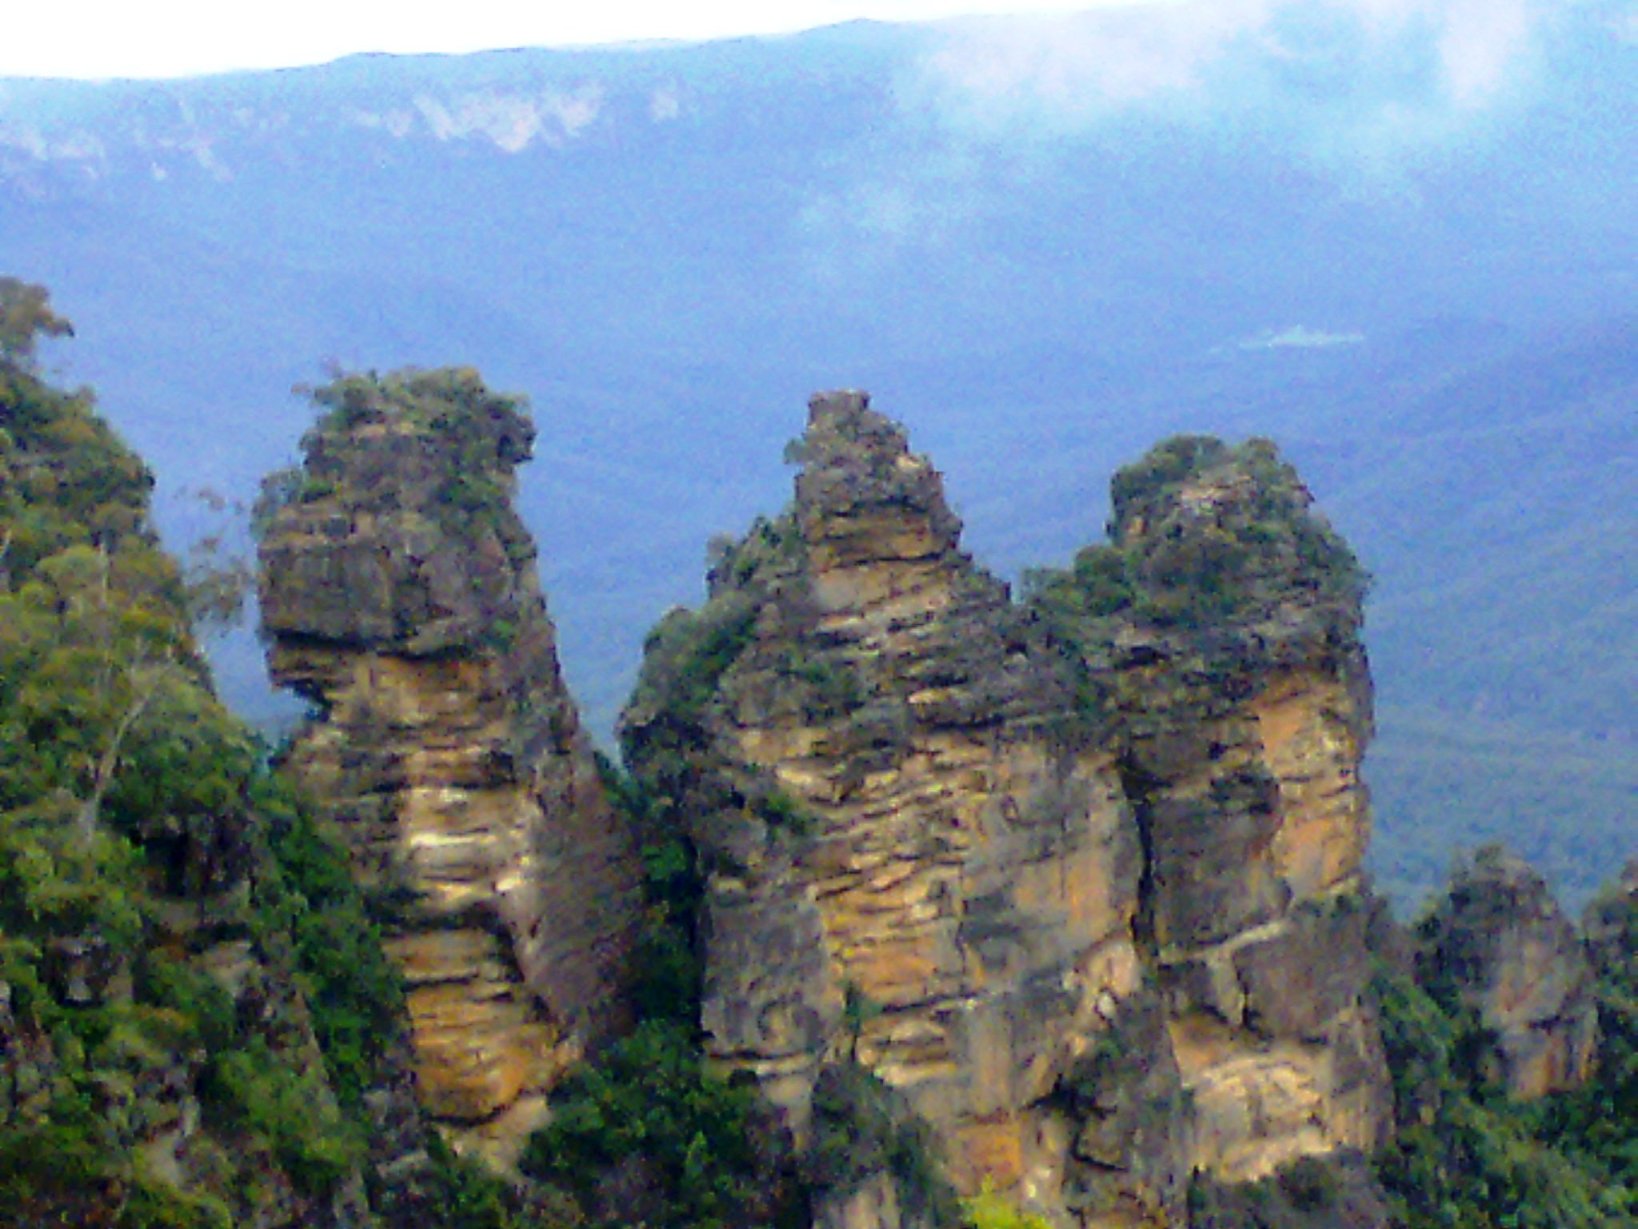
[
  {"x": 399, "y": 595},
  {"x": 1499, "y": 945},
  {"x": 1079, "y": 879},
  {"x": 1243, "y": 707},
  {"x": 904, "y": 862}
]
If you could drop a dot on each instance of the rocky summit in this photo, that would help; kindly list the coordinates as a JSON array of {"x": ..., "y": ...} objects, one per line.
[
  {"x": 1078, "y": 877},
  {"x": 1499, "y": 946},
  {"x": 399, "y": 596}
]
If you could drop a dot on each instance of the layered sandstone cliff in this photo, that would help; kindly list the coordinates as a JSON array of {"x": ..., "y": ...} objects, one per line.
[
  {"x": 1243, "y": 706},
  {"x": 904, "y": 861},
  {"x": 399, "y": 595},
  {"x": 1079, "y": 878}
]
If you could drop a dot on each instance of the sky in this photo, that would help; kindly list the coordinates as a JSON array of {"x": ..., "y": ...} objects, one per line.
[{"x": 173, "y": 38}]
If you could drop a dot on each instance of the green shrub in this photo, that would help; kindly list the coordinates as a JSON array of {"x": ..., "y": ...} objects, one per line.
[
  {"x": 988, "y": 1210},
  {"x": 649, "y": 1106}
]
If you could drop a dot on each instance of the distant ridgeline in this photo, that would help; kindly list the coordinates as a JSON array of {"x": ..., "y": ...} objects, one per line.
[{"x": 913, "y": 905}]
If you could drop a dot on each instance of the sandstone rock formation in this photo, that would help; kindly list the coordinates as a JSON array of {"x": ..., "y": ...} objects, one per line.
[
  {"x": 400, "y": 597},
  {"x": 1499, "y": 944},
  {"x": 1243, "y": 707},
  {"x": 1078, "y": 878},
  {"x": 890, "y": 827}
]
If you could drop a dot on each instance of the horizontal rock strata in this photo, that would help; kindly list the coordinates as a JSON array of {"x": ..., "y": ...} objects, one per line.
[
  {"x": 399, "y": 594},
  {"x": 1078, "y": 878},
  {"x": 906, "y": 862}
]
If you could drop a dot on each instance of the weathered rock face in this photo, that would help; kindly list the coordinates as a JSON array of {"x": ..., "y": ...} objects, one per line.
[
  {"x": 400, "y": 596},
  {"x": 1243, "y": 704},
  {"x": 904, "y": 859},
  {"x": 1499, "y": 944},
  {"x": 1078, "y": 878}
]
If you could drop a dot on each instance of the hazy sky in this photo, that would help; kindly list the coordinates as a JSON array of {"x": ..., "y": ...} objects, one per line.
[{"x": 159, "y": 38}]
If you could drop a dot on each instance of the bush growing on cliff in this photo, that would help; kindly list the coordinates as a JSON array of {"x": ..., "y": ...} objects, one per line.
[
  {"x": 647, "y": 1135},
  {"x": 305, "y": 895},
  {"x": 25, "y": 318},
  {"x": 1334, "y": 1191},
  {"x": 1597, "y": 1124},
  {"x": 687, "y": 654},
  {"x": 1203, "y": 533},
  {"x": 988, "y": 1210},
  {"x": 482, "y": 433}
]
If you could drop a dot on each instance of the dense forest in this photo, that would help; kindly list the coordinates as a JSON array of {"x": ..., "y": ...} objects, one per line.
[{"x": 199, "y": 1025}]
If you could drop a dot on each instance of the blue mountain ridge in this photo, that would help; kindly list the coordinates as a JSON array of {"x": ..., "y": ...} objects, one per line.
[{"x": 1035, "y": 255}]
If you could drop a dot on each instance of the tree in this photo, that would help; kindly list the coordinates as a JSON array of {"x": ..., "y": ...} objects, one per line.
[{"x": 25, "y": 317}]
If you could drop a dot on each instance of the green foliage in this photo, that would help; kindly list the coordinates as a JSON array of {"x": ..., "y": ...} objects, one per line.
[
  {"x": 468, "y": 1195},
  {"x": 1225, "y": 532},
  {"x": 473, "y": 438},
  {"x": 258, "y": 1091},
  {"x": 1162, "y": 468},
  {"x": 784, "y": 813},
  {"x": 1205, "y": 534},
  {"x": 687, "y": 654},
  {"x": 858, "y": 1010},
  {"x": 1465, "y": 1157},
  {"x": 650, "y": 1113},
  {"x": 127, "y": 826},
  {"x": 1597, "y": 1124},
  {"x": 485, "y": 433},
  {"x": 647, "y": 1133},
  {"x": 769, "y": 548},
  {"x": 989, "y": 1210},
  {"x": 306, "y": 896},
  {"x": 1333, "y": 1191},
  {"x": 25, "y": 317},
  {"x": 155, "y": 1204}
]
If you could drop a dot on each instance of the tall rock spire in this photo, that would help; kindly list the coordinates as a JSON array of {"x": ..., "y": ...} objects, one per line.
[
  {"x": 909, "y": 866},
  {"x": 399, "y": 595}
]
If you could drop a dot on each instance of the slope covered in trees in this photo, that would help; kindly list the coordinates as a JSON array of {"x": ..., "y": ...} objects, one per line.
[{"x": 193, "y": 1002}]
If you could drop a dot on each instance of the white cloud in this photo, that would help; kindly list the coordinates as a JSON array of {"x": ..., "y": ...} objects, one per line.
[
  {"x": 1481, "y": 43},
  {"x": 1076, "y": 66},
  {"x": 1299, "y": 337},
  {"x": 168, "y": 38},
  {"x": 1080, "y": 67}
]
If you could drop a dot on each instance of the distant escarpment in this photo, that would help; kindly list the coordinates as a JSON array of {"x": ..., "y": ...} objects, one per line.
[
  {"x": 399, "y": 595},
  {"x": 1077, "y": 879}
]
